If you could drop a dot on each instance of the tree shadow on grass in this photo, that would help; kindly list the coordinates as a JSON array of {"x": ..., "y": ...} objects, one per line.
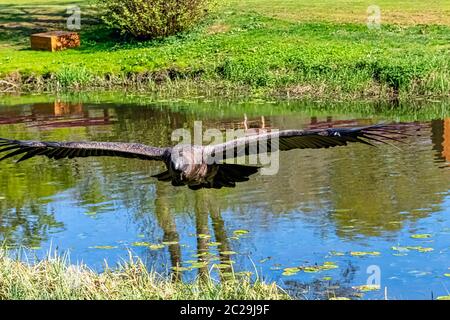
[{"x": 18, "y": 22}]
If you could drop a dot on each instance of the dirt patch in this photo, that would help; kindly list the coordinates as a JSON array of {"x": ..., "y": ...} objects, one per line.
[{"x": 218, "y": 28}]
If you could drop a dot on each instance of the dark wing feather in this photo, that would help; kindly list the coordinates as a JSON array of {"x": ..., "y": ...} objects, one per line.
[
  {"x": 300, "y": 139},
  {"x": 60, "y": 150}
]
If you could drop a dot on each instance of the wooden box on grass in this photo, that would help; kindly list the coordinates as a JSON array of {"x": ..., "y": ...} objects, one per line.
[{"x": 55, "y": 40}]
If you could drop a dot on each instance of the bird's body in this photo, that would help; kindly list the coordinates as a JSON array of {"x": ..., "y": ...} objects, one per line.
[{"x": 202, "y": 166}]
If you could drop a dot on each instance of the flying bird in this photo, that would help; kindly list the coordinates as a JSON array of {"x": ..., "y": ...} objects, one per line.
[{"x": 198, "y": 166}]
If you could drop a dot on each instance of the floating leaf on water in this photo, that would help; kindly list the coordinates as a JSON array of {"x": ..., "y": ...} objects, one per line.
[
  {"x": 202, "y": 254},
  {"x": 156, "y": 246},
  {"x": 265, "y": 260},
  {"x": 327, "y": 278},
  {"x": 90, "y": 213},
  {"x": 275, "y": 268},
  {"x": 169, "y": 243},
  {"x": 336, "y": 253},
  {"x": 148, "y": 244},
  {"x": 443, "y": 297},
  {"x": 141, "y": 244},
  {"x": 141, "y": 235},
  {"x": 180, "y": 269},
  {"x": 329, "y": 265},
  {"x": 367, "y": 287},
  {"x": 446, "y": 274},
  {"x": 311, "y": 269},
  {"x": 227, "y": 253},
  {"x": 419, "y": 273},
  {"x": 221, "y": 266},
  {"x": 244, "y": 274},
  {"x": 203, "y": 236},
  {"x": 365, "y": 253},
  {"x": 400, "y": 249},
  {"x": 103, "y": 247},
  {"x": 340, "y": 298},
  {"x": 214, "y": 244},
  {"x": 240, "y": 232},
  {"x": 233, "y": 238},
  {"x": 421, "y": 236},
  {"x": 416, "y": 248},
  {"x": 190, "y": 261},
  {"x": 197, "y": 264},
  {"x": 35, "y": 248},
  {"x": 227, "y": 274},
  {"x": 422, "y": 249},
  {"x": 290, "y": 271}
]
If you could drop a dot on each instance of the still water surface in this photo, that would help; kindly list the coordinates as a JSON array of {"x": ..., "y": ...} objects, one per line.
[{"x": 357, "y": 209}]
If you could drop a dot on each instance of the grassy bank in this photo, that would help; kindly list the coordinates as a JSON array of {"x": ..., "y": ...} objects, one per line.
[
  {"x": 54, "y": 278},
  {"x": 283, "y": 48}
]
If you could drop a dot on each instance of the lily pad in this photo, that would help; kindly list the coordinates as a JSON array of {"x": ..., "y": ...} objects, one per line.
[
  {"x": 180, "y": 269},
  {"x": 148, "y": 244},
  {"x": 169, "y": 243},
  {"x": 227, "y": 253},
  {"x": 337, "y": 253},
  {"x": 141, "y": 244},
  {"x": 203, "y": 236},
  {"x": 443, "y": 297},
  {"x": 421, "y": 236},
  {"x": 202, "y": 254},
  {"x": 447, "y": 275},
  {"x": 240, "y": 232},
  {"x": 103, "y": 247},
  {"x": 365, "y": 253},
  {"x": 327, "y": 265},
  {"x": 214, "y": 244},
  {"x": 197, "y": 264},
  {"x": 221, "y": 266},
  {"x": 156, "y": 246},
  {"x": 415, "y": 248},
  {"x": 367, "y": 287},
  {"x": 290, "y": 271}
]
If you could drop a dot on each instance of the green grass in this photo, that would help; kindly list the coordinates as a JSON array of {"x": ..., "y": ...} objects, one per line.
[
  {"x": 54, "y": 278},
  {"x": 283, "y": 48}
]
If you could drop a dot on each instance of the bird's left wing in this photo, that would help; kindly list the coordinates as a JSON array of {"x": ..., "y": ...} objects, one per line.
[{"x": 61, "y": 150}]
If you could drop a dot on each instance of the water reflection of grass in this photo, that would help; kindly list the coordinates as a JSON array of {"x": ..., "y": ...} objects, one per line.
[{"x": 55, "y": 278}]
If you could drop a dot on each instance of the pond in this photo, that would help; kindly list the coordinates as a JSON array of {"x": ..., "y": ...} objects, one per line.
[{"x": 327, "y": 222}]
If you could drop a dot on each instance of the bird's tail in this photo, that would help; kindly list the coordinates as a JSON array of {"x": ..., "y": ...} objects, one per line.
[{"x": 229, "y": 174}]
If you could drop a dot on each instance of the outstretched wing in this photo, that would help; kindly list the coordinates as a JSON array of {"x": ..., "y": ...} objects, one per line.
[
  {"x": 302, "y": 139},
  {"x": 60, "y": 150}
]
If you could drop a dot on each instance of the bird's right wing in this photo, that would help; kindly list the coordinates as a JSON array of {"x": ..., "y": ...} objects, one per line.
[
  {"x": 61, "y": 150},
  {"x": 303, "y": 139}
]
